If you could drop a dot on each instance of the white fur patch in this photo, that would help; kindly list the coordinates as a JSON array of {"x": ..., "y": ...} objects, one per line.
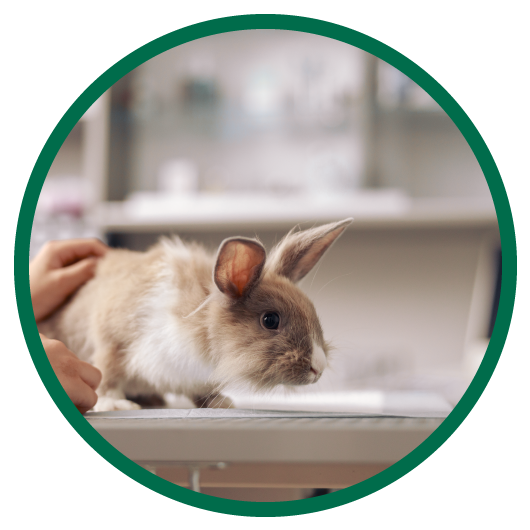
[
  {"x": 108, "y": 403},
  {"x": 318, "y": 360},
  {"x": 164, "y": 354}
]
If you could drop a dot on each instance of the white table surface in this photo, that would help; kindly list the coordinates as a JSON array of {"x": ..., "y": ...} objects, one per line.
[{"x": 161, "y": 437}]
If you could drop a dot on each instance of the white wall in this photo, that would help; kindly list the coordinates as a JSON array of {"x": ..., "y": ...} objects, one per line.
[
  {"x": 425, "y": 153},
  {"x": 388, "y": 298}
]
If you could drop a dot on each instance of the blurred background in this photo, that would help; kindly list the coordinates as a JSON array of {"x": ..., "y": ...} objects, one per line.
[{"x": 254, "y": 132}]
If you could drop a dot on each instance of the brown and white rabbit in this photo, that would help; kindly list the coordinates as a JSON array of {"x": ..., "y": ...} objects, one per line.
[{"x": 179, "y": 319}]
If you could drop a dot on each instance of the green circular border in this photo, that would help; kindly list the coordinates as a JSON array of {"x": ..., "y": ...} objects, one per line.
[{"x": 279, "y": 22}]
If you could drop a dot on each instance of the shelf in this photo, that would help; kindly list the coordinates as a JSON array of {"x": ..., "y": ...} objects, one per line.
[{"x": 150, "y": 212}]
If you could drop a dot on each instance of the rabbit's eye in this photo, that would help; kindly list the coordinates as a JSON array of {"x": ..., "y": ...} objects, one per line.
[{"x": 270, "y": 320}]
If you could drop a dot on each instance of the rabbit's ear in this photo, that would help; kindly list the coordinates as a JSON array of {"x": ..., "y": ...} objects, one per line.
[
  {"x": 299, "y": 252},
  {"x": 239, "y": 266}
]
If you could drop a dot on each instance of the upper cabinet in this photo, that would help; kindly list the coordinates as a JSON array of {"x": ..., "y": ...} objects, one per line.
[{"x": 264, "y": 128}]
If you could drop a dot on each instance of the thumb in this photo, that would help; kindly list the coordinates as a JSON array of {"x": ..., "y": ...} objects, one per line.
[{"x": 73, "y": 276}]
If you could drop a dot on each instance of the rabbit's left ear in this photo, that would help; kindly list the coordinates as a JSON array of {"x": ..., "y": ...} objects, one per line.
[
  {"x": 238, "y": 266},
  {"x": 299, "y": 252}
]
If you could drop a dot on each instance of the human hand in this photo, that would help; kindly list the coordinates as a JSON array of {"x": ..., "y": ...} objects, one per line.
[
  {"x": 78, "y": 378},
  {"x": 59, "y": 269}
]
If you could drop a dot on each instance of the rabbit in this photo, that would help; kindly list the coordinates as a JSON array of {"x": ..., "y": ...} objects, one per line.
[{"x": 179, "y": 319}]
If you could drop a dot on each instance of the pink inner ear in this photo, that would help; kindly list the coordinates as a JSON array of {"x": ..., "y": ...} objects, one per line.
[
  {"x": 244, "y": 261},
  {"x": 239, "y": 265}
]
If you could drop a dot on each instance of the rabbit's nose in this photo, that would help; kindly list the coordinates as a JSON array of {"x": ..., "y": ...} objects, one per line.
[{"x": 318, "y": 360}]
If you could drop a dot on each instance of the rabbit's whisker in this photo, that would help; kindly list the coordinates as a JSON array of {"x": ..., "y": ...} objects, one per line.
[
  {"x": 315, "y": 275},
  {"x": 337, "y": 278},
  {"x": 203, "y": 304}
]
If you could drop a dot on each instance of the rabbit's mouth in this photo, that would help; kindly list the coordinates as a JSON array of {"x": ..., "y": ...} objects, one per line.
[
  {"x": 314, "y": 375},
  {"x": 319, "y": 362}
]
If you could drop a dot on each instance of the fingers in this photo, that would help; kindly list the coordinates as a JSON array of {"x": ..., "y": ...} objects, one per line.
[
  {"x": 78, "y": 378},
  {"x": 66, "y": 252},
  {"x": 89, "y": 379},
  {"x": 89, "y": 374},
  {"x": 83, "y": 396},
  {"x": 70, "y": 278},
  {"x": 59, "y": 269}
]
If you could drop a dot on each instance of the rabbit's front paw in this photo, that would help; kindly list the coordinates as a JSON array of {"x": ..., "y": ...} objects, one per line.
[
  {"x": 217, "y": 401},
  {"x": 109, "y": 403},
  {"x": 221, "y": 402}
]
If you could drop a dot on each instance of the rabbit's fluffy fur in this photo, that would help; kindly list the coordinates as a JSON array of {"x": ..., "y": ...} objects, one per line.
[{"x": 179, "y": 319}]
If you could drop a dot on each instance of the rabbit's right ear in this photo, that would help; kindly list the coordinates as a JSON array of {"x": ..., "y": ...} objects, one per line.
[
  {"x": 298, "y": 252},
  {"x": 238, "y": 266}
]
